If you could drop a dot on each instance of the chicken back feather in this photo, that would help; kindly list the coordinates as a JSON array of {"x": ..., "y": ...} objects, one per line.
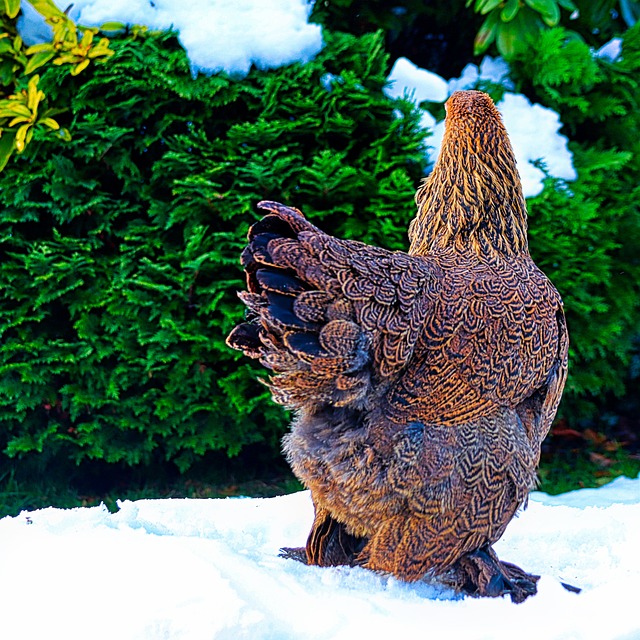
[{"x": 422, "y": 383}]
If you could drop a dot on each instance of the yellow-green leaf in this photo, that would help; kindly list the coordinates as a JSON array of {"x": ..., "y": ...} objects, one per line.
[
  {"x": 87, "y": 38},
  {"x": 506, "y": 40},
  {"x": 486, "y": 6},
  {"x": 548, "y": 8},
  {"x": 80, "y": 67},
  {"x": 49, "y": 122},
  {"x": 16, "y": 109},
  {"x": 486, "y": 34},
  {"x": 6, "y": 147},
  {"x": 33, "y": 94},
  {"x": 67, "y": 58},
  {"x": 12, "y": 7},
  {"x": 510, "y": 10},
  {"x": 513, "y": 36},
  {"x": 37, "y": 48},
  {"x": 18, "y": 120},
  {"x": 46, "y": 8},
  {"x": 552, "y": 18},
  {"x": 21, "y": 135},
  {"x": 38, "y": 60},
  {"x": 118, "y": 26},
  {"x": 100, "y": 51}
]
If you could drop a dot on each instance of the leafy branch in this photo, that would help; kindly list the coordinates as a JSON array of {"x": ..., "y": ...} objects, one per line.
[
  {"x": 23, "y": 106},
  {"x": 511, "y": 23}
]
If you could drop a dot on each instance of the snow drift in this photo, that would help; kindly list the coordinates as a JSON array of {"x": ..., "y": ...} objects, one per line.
[{"x": 203, "y": 569}]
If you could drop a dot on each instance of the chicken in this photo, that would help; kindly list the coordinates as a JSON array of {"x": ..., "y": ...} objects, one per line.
[{"x": 422, "y": 383}]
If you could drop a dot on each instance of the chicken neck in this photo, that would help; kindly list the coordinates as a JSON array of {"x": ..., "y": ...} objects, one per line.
[{"x": 473, "y": 198}]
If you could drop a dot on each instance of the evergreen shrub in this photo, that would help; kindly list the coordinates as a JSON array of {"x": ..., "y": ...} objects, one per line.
[
  {"x": 586, "y": 234},
  {"x": 121, "y": 247}
]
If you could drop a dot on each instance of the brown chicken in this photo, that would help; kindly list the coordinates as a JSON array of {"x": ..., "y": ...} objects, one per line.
[{"x": 423, "y": 383}]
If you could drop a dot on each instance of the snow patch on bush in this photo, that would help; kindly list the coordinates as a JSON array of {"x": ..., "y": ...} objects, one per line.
[
  {"x": 218, "y": 35},
  {"x": 611, "y": 50},
  {"x": 408, "y": 80},
  {"x": 491, "y": 69},
  {"x": 534, "y": 132},
  {"x": 420, "y": 84}
]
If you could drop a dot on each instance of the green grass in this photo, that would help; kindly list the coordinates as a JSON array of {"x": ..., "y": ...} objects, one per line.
[
  {"x": 17, "y": 496},
  {"x": 581, "y": 469}
]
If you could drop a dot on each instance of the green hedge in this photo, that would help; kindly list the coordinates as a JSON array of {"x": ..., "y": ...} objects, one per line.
[
  {"x": 586, "y": 234},
  {"x": 121, "y": 247}
]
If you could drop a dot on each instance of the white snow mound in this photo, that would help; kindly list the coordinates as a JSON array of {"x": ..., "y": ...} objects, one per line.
[
  {"x": 203, "y": 569},
  {"x": 217, "y": 34},
  {"x": 408, "y": 79}
]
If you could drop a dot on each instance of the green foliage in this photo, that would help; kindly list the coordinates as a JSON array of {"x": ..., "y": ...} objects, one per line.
[
  {"x": 580, "y": 469},
  {"x": 512, "y": 23},
  {"x": 121, "y": 246},
  {"x": 597, "y": 21},
  {"x": 576, "y": 238},
  {"x": 594, "y": 95},
  {"x": 434, "y": 35},
  {"x": 586, "y": 234},
  {"x": 24, "y": 108}
]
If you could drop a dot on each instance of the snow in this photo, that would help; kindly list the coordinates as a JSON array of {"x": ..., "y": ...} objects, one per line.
[
  {"x": 406, "y": 77},
  {"x": 492, "y": 69},
  {"x": 217, "y": 34},
  {"x": 611, "y": 50},
  {"x": 534, "y": 133},
  {"x": 205, "y": 569},
  {"x": 406, "y": 80}
]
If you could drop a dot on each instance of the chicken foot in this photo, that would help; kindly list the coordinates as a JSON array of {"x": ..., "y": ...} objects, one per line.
[{"x": 481, "y": 573}]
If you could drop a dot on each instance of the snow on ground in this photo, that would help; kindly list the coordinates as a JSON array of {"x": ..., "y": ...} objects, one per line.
[
  {"x": 217, "y": 34},
  {"x": 205, "y": 569}
]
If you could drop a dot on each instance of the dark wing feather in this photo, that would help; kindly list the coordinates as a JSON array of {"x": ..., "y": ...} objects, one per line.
[{"x": 329, "y": 314}]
